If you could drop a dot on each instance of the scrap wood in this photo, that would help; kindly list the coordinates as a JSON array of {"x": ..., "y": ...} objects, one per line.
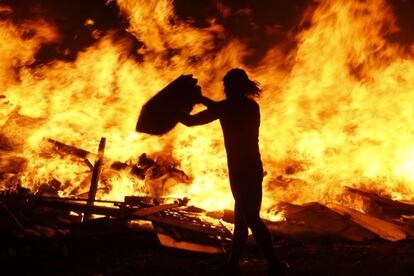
[
  {"x": 129, "y": 201},
  {"x": 384, "y": 205},
  {"x": 97, "y": 168},
  {"x": 69, "y": 199},
  {"x": 82, "y": 208},
  {"x": 385, "y": 229},
  {"x": 143, "y": 212},
  {"x": 85, "y": 155},
  {"x": 12, "y": 216},
  {"x": 132, "y": 212},
  {"x": 190, "y": 231},
  {"x": 314, "y": 220},
  {"x": 139, "y": 170},
  {"x": 186, "y": 225},
  {"x": 191, "y": 238},
  {"x": 63, "y": 148},
  {"x": 168, "y": 241},
  {"x": 298, "y": 231},
  {"x": 46, "y": 231}
]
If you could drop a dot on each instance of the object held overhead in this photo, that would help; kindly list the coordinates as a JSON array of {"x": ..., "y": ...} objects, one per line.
[{"x": 162, "y": 112}]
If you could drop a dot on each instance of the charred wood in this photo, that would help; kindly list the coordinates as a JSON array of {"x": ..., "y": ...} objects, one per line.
[
  {"x": 384, "y": 229},
  {"x": 316, "y": 221},
  {"x": 67, "y": 149},
  {"x": 379, "y": 205},
  {"x": 146, "y": 167},
  {"x": 95, "y": 177},
  {"x": 141, "y": 209}
]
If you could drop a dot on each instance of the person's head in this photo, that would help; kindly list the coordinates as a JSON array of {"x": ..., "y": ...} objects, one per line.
[{"x": 237, "y": 84}]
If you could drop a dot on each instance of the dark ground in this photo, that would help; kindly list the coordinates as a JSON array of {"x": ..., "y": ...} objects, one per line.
[
  {"x": 139, "y": 253},
  {"x": 114, "y": 246}
]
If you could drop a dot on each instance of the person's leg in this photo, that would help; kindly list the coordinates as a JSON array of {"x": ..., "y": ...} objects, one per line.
[
  {"x": 260, "y": 232},
  {"x": 239, "y": 235}
]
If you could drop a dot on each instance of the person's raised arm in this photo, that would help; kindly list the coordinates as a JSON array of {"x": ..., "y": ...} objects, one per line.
[
  {"x": 208, "y": 102},
  {"x": 201, "y": 118}
]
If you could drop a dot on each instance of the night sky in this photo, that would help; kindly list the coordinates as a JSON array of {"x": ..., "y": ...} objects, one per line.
[{"x": 260, "y": 24}]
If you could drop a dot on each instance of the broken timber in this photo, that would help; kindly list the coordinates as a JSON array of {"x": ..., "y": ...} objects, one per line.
[
  {"x": 315, "y": 221},
  {"x": 382, "y": 205},
  {"x": 97, "y": 168},
  {"x": 130, "y": 213},
  {"x": 385, "y": 229},
  {"x": 63, "y": 148},
  {"x": 136, "y": 170},
  {"x": 174, "y": 228}
]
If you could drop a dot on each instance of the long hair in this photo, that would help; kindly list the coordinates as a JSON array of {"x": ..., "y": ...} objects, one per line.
[{"x": 238, "y": 83}]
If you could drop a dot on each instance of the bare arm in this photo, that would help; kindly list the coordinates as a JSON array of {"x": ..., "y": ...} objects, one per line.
[
  {"x": 208, "y": 102},
  {"x": 201, "y": 118}
]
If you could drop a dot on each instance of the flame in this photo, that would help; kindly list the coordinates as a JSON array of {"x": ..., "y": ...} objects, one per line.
[
  {"x": 335, "y": 112},
  {"x": 340, "y": 115}
]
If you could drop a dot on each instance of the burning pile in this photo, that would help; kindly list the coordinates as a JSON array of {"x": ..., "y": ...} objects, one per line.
[{"x": 336, "y": 109}]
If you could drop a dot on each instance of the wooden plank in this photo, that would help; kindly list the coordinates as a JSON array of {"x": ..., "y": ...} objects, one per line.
[
  {"x": 384, "y": 229},
  {"x": 73, "y": 205},
  {"x": 168, "y": 241},
  {"x": 143, "y": 212},
  {"x": 95, "y": 177},
  {"x": 383, "y": 205},
  {"x": 83, "y": 208},
  {"x": 63, "y": 148},
  {"x": 138, "y": 170},
  {"x": 68, "y": 149},
  {"x": 316, "y": 221},
  {"x": 184, "y": 224},
  {"x": 70, "y": 199},
  {"x": 12, "y": 216}
]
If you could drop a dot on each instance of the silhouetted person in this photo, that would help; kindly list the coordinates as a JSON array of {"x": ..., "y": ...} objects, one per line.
[{"x": 239, "y": 117}]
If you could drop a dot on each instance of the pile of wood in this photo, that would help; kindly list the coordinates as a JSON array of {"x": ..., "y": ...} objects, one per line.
[
  {"x": 384, "y": 218},
  {"x": 28, "y": 216},
  {"x": 156, "y": 175},
  {"x": 42, "y": 215}
]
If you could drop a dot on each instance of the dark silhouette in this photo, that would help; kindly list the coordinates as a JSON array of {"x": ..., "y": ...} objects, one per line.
[
  {"x": 239, "y": 117},
  {"x": 162, "y": 112}
]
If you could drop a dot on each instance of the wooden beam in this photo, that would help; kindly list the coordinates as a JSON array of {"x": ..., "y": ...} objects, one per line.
[
  {"x": 97, "y": 168},
  {"x": 384, "y": 206},
  {"x": 385, "y": 229},
  {"x": 153, "y": 209},
  {"x": 63, "y": 148},
  {"x": 67, "y": 149}
]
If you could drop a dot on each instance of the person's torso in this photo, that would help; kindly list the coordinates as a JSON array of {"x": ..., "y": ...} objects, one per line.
[{"x": 240, "y": 121}]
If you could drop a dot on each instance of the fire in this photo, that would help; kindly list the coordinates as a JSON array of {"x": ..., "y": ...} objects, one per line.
[
  {"x": 346, "y": 122},
  {"x": 336, "y": 111}
]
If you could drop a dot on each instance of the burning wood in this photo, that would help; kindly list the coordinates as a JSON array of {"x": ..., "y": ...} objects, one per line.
[
  {"x": 187, "y": 229},
  {"x": 139, "y": 210},
  {"x": 384, "y": 229},
  {"x": 154, "y": 174},
  {"x": 379, "y": 205},
  {"x": 191, "y": 230},
  {"x": 316, "y": 221},
  {"x": 97, "y": 168},
  {"x": 330, "y": 115},
  {"x": 180, "y": 229},
  {"x": 64, "y": 149}
]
